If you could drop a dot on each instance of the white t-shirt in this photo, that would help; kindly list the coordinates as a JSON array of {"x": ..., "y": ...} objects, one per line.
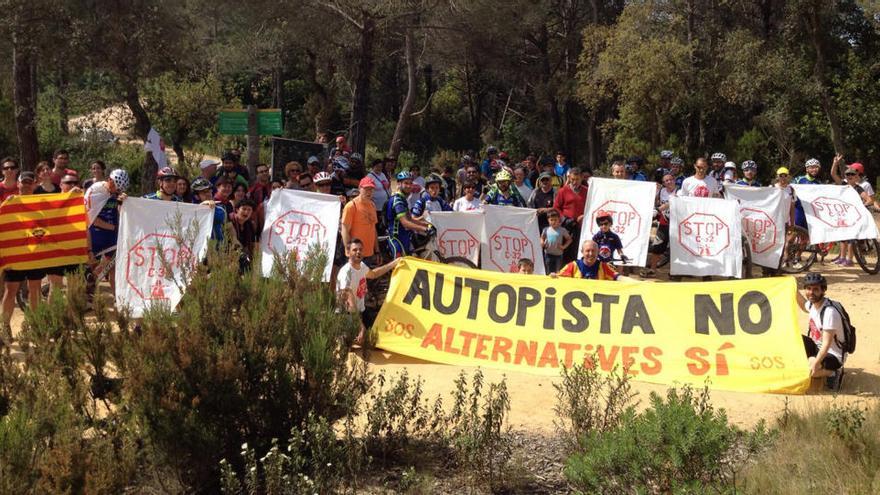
[
  {"x": 788, "y": 195},
  {"x": 383, "y": 186},
  {"x": 462, "y": 204},
  {"x": 665, "y": 195},
  {"x": 416, "y": 192},
  {"x": 830, "y": 323},
  {"x": 706, "y": 187},
  {"x": 355, "y": 280},
  {"x": 867, "y": 187}
]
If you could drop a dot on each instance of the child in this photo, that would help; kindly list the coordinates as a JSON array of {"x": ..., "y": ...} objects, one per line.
[
  {"x": 245, "y": 231},
  {"x": 608, "y": 241},
  {"x": 554, "y": 240},
  {"x": 525, "y": 266}
]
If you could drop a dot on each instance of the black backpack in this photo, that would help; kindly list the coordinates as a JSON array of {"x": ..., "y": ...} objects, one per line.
[{"x": 849, "y": 331}]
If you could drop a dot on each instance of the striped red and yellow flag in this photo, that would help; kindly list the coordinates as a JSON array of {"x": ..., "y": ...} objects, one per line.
[{"x": 42, "y": 231}]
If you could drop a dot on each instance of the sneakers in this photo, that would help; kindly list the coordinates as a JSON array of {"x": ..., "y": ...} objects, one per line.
[
  {"x": 845, "y": 262},
  {"x": 646, "y": 273},
  {"x": 835, "y": 381}
]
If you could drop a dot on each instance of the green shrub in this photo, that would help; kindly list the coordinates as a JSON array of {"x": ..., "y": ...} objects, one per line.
[
  {"x": 679, "y": 444},
  {"x": 589, "y": 400}
]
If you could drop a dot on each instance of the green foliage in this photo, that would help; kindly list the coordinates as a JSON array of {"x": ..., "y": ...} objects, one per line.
[
  {"x": 679, "y": 444},
  {"x": 589, "y": 400}
]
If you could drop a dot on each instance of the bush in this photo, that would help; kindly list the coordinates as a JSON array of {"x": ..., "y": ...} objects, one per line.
[
  {"x": 680, "y": 444},
  {"x": 588, "y": 400}
]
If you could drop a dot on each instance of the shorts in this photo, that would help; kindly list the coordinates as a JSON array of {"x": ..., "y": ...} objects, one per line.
[
  {"x": 10, "y": 275},
  {"x": 800, "y": 218},
  {"x": 398, "y": 250},
  {"x": 829, "y": 362},
  {"x": 61, "y": 270}
]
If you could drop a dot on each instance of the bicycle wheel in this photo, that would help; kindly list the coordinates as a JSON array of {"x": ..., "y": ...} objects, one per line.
[
  {"x": 746, "y": 259},
  {"x": 456, "y": 261},
  {"x": 867, "y": 255},
  {"x": 797, "y": 255}
]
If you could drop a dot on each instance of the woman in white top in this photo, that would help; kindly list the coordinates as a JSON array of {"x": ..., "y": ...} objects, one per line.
[{"x": 470, "y": 201}]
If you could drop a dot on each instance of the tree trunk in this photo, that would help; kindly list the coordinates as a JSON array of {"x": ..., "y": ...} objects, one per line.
[
  {"x": 361, "y": 100},
  {"x": 148, "y": 181},
  {"x": 25, "y": 105},
  {"x": 63, "y": 112},
  {"x": 403, "y": 117},
  {"x": 820, "y": 69},
  {"x": 142, "y": 123}
]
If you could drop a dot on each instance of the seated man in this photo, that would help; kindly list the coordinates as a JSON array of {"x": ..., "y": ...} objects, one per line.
[
  {"x": 825, "y": 335},
  {"x": 589, "y": 266}
]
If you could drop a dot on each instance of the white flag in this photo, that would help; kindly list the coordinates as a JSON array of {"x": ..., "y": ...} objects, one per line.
[
  {"x": 510, "y": 234},
  {"x": 297, "y": 221},
  {"x": 149, "y": 247},
  {"x": 459, "y": 234},
  {"x": 96, "y": 196},
  {"x": 631, "y": 204},
  {"x": 763, "y": 213},
  {"x": 705, "y": 237},
  {"x": 835, "y": 213},
  {"x": 156, "y": 146}
]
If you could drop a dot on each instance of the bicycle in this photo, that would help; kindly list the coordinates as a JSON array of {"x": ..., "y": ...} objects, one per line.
[
  {"x": 867, "y": 251},
  {"x": 798, "y": 255},
  {"x": 100, "y": 272}
]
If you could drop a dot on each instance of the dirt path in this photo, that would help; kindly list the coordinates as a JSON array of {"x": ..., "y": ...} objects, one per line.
[{"x": 533, "y": 396}]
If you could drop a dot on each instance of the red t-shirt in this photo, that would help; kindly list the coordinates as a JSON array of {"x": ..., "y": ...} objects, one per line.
[
  {"x": 5, "y": 192},
  {"x": 569, "y": 203}
]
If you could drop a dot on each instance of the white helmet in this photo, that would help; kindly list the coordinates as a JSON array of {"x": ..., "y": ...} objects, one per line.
[{"x": 120, "y": 178}]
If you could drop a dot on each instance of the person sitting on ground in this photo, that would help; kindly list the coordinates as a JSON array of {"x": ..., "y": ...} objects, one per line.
[
  {"x": 750, "y": 173},
  {"x": 608, "y": 241},
  {"x": 351, "y": 283},
  {"x": 470, "y": 201},
  {"x": 825, "y": 334},
  {"x": 525, "y": 266},
  {"x": 589, "y": 266},
  {"x": 554, "y": 239}
]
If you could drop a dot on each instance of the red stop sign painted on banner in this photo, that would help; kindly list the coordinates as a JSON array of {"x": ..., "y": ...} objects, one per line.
[
  {"x": 295, "y": 231},
  {"x": 458, "y": 242},
  {"x": 703, "y": 234},
  {"x": 759, "y": 229},
  {"x": 836, "y": 213},
  {"x": 627, "y": 221},
  {"x": 149, "y": 261},
  {"x": 507, "y": 246}
]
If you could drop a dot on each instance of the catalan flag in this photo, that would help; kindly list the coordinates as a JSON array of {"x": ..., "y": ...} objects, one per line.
[{"x": 42, "y": 231}]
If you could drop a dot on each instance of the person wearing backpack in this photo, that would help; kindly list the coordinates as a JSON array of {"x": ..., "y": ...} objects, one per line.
[{"x": 830, "y": 336}]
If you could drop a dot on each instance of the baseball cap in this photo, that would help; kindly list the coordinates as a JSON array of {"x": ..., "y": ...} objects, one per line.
[
  {"x": 207, "y": 163},
  {"x": 851, "y": 169},
  {"x": 782, "y": 170},
  {"x": 858, "y": 167},
  {"x": 367, "y": 182},
  {"x": 25, "y": 176},
  {"x": 545, "y": 175},
  {"x": 313, "y": 159}
]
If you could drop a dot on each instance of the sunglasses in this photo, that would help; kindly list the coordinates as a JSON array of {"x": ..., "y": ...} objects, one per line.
[
  {"x": 10, "y": 168},
  {"x": 850, "y": 174},
  {"x": 782, "y": 175}
]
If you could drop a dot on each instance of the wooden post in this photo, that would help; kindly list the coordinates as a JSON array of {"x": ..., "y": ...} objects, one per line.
[{"x": 253, "y": 142}]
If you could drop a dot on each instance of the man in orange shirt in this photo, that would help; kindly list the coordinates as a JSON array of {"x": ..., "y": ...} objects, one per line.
[{"x": 359, "y": 219}]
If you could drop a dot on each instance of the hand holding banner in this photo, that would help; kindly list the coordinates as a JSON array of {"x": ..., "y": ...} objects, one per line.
[
  {"x": 458, "y": 234},
  {"x": 835, "y": 213}
]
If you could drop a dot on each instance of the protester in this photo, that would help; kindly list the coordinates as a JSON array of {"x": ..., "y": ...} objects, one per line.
[
  {"x": 323, "y": 183},
  {"x": 570, "y": 202},
  {"x": 60, "y": 163},
  {"x": 262, "y": 187},
  {"x": 717, "y": 172},
  {"x": 105, "y": 198},
  {"x": 313, "y": 164},
  {"x": 99, "y": 173},
  {"x": 660, "y": 243},
  {"x": 245, "y": 231},
  {"x": 469, "y": 201},
  {"x": 44, "y": 176},
  {"x": 502, "y": 194},
  {"x": 783, "y": 182},
  {"x": 306, "y": 183},
  {"x": 851, "y": 178},
  {"x": 183, "y": 190},
  {"x": 521, "y": 182},
  {"x": 230, "y": 163},
  {"x": 608, "y": 241},
  {"x": 675, "y": 168},
  {"x": 588, "y": 266},
  {"x": 618, "y": 170},
  {"x": 542, "y": 198},
  {"x": 491, "y": 164},
  {"x": 9, "y": 186},
  {"x": 634, "y": 165},
  {"x": 383, "y": 184},
  {"x": 525, "y": 266},
  {"x": 417, "y": 187},
  {"x": 561, "y": 167},
  {"x": 12, "y": 279},
  {"x": 700, "y": 184},
  {"x": 356, "y": 170},
  {"x": 750, "y": 173},
  {"x": 728, "y": 175},
  {"x": 208, "y": 169},
  {"x": 812, "y": 167},
  {"x": 449, "y": 184},
  {"x": 223, "y": 198},
  {"x": 70, "y": 182},
  {"x": 359, "y": 218},
  {"x": 351, "y": 283},
  {"x": 400, "y": 222},
  {"x": 201, "y": 188},
  {"x": 430, "y": 199},
  {"x": 472, "y": 175},
  {"x": 554, "y": 239},
  {"x": 825, "y": 334}
]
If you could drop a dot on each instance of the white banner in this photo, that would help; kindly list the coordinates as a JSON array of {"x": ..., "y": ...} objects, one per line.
[
  {"x": 763, "y": 213},
  {"x": 510, "y": 234},
  {"x": 705, "y": 237},
  {"x": 156, "y": 145},
  {"x": 296, "y": 221},
  {"x": 149, "y": 246},
  {"x": 631, "y": 204},
  {"x": 835, "y": 213},
  {"x": 459, "y": 234}
]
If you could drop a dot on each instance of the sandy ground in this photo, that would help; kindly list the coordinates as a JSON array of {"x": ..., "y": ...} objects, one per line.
[{"x": 533, "y": 396}]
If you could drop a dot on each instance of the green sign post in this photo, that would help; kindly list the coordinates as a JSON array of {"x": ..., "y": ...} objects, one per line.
[{"x": 236, "y": 122}]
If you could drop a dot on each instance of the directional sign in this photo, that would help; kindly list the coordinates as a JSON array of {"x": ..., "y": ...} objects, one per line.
[{"x": 235, "y": 122}]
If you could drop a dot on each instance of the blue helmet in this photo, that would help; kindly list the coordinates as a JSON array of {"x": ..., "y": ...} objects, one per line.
[{"x": 405, "y": 175}]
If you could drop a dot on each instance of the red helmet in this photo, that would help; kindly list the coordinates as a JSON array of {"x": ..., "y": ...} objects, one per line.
[
  {"x": 502, "y": 155},
  {"x": 602, "y": 215},
  {"x": 858, "y": 167}
]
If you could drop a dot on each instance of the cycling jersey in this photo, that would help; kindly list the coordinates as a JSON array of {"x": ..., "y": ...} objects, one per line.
[
  {"x": 427, "y": 203},
  {"x": 397, "y": 208},
  {"x": 608, "y": 243},
  {"x": 155, "y": 195},
  {"x": 639, "y": 177},
  {"x": 495, "y": 197},
  {"x": 105, "y": 238},
  {"x": 800, "y": 218},
  {"x": 743, "y": 182}
]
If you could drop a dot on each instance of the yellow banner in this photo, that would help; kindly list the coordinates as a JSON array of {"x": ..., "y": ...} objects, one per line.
[{"x": 740, "y": 335}]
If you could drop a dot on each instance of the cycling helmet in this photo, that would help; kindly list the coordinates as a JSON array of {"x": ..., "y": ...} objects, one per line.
[
  {"x": 503, "y": 176},
  {"x": 677, "y": 161},
  {"x": 466, "y": 159},
  {"x": 322, "y": 177},
  {"x": 730, "y": 165},
  {"x": 665, "y": 155},
  {"x": 120, "y": 178},
  {"x": 749, "y": 165},
  {"x": 814, "y": 278},
  {"x": 356, "y": 157},
  {"x": 200, "y": 184},
  {"x": 719, "y": 157},
  {"x": 602, "y": 215},
  {"x": 166, "y": 172},
  {"x": 812, "y": 162},
  {"x": 433, "y": 179},
  {"x": 636, "y": 159},
  {"x": 491, "y": 150},
  {"x": 341, "y": 162},
  {"x": 405, "y": 175}
]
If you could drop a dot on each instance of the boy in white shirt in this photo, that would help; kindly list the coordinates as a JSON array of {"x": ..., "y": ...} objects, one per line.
[
  {"x": 351, "y": 283},
  {"x": 470, "y": 201}
]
